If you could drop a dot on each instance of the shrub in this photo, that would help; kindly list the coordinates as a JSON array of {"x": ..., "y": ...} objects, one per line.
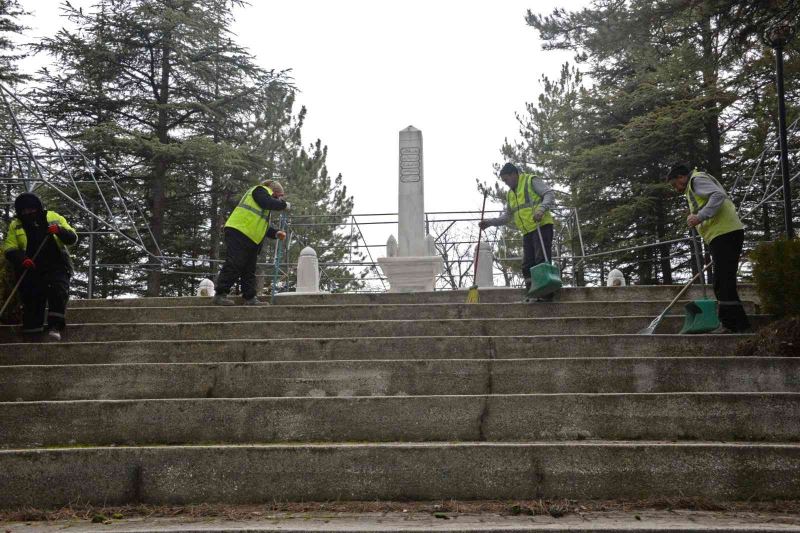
[{"x": 776, "y": 270}]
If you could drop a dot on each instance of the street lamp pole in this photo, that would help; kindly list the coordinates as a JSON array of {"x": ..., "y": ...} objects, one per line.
[{"x": 778, "y": 38}]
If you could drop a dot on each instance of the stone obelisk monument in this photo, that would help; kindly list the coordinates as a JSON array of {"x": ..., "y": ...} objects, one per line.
[
  {"x": 411, "y": 263},
  {"x": 411, "y": 199}
]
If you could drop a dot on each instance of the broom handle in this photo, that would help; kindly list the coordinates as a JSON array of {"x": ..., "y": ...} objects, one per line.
[
  {"x": 478, "y": 249},
  {"x": 19, "y": 281},
  {"x": 541, "y": 241},
  {"x": 698, "y": 256},
  {"x": 685, "y": 288}
]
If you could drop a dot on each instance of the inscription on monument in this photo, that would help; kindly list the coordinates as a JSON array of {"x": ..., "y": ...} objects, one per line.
[{"x": 409, "y": 164}]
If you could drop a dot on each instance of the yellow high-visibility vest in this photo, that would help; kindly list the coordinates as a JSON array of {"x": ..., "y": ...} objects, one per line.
[
  {"x": 523, "y": 203},
  {"x": 249, "y": 217},
  {"x": 724, "y": 221}
]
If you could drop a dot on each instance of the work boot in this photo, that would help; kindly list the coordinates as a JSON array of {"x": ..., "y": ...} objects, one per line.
[
  {"x": 254, "y": 301},
  {"x": 525, "y": 298},
  {"x": 527, "y": 287},
  {"x": 222, "y": 299},
  {"x": 722, "y": 330}
]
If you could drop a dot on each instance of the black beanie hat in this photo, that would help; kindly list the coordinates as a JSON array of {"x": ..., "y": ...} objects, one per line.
[
  {"x": 508, "y": 168},
  {"x": 678, "y": 169},
  {"x": 27, "y": 200}
]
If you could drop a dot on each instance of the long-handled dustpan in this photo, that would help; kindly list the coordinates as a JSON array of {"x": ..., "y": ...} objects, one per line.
[
  {"x": 701, "y": 315},
  {"x": 649, "y": 330},
  {"x": 545, "y": 277}
]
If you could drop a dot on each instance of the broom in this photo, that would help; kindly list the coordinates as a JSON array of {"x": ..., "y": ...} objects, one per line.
[
  {"x": 472, "y": 295},
  {"x": 19, "y": 281}
]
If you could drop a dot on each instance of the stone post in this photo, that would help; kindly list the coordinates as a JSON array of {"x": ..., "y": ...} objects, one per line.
[
  {"x": 485, "y": 259},
  {"x": 616, "y": 279},
  {"x": 308, "y": 271},
  {"x": 206, "y": 288},
  {"x": 391, "y": 246},
  {"x": 430, "y": 245}
]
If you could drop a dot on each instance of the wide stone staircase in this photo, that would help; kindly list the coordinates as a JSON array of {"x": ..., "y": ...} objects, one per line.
[{"x": 393, "y": 397}]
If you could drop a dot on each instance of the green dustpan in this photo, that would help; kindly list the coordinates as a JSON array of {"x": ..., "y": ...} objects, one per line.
[
  {"x": 545, "y": 277},
  {"x": 701, "y": 317}
]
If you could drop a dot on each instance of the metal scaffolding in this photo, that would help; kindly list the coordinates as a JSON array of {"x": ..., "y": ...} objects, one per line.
[{"x": 34, "y": 156}]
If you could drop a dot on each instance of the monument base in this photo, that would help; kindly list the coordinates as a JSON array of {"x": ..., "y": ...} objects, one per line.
[{"x": 411, "y": 274}]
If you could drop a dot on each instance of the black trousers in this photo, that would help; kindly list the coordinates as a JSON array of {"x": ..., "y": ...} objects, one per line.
[
  {"x": 532, "y": 253},
  {"x": 726, "y": 249},
  {"x": 241, "y": 256},
  {"x": 40, "y": 290}
]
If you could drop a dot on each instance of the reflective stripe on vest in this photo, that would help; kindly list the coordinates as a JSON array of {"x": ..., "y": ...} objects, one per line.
[
  {"x": 724, "y": 221},
  {"x": 523, "y": 210},
  {"x": 249, "y": 218}
]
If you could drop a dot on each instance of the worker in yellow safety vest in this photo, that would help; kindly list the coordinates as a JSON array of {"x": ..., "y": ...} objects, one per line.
[
  {"x": 244, "y": 235},
  {"x": 528, "y": 203},
  {"x": 712, "y": 212},
  {"x": 36, "y": 245}
]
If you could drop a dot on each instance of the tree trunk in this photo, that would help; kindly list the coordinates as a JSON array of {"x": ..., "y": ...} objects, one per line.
[
  {"x": 602, "y": 273},
  {"x": 709, "y": 85},
  {"x": 664, "y": 249},
  {"x": 160, "y": 169},
  {"x": 765, "y": 213},
  {"x": 645, "y": 266},
  {"x": 215, "y": 227},
  {"x": 216, "y": 181}
]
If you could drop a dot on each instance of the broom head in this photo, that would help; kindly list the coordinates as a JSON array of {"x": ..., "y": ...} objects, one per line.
[{"x": 472, "y": 295}]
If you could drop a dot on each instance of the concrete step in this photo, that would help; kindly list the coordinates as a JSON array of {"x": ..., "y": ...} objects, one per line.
[
  {"x": 364, "y": 328},
  {"x": 362, "y": 348},
  {"x": 94, "y": 315},
  {"x": 399, "y": 377},
  {"x": 493, "y": 295},
  {"x": 391, "y": 471},
  {"x": 426, "y": 520},
  {"x": 495, "y": 418}
]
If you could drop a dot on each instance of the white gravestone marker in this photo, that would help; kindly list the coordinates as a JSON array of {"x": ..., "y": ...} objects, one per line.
[
  {"x": 616, "y": 279},
  {"x": 206, "y": 288},
  {"x": 308, "y": 271},
  {"x": 485, "y": 259}
]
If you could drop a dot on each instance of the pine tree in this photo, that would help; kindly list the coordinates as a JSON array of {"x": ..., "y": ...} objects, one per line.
[
  {"x": 10, "y": 52},
  {"x": 320, "y": 203},
  {"x": 163, "y": 85},
  {"x": 161, "y": 97},
  {"x": 666, "y": 81}
]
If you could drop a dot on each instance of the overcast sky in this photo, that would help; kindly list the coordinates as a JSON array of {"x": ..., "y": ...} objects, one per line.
[{"x": 456, "y": 69}]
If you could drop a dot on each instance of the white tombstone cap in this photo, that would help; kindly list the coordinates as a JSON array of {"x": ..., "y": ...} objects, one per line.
[
  {"x": 430, "y": 244},
  {"x": 485, "y": 258},
  {"x": 206, "y": 288},
  {"x": 307, "y": 271},
  {"x": 391, "y": 246},
  {"x": 616, "y": 278}
]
